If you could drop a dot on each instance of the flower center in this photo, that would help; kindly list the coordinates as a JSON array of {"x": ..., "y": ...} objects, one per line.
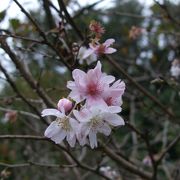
[
  {"x": 64, "y": 123},
  {"x": 101, "y": 49},
  {"x": 93, "y": 89},
  {"x": 96, "y": 121}
]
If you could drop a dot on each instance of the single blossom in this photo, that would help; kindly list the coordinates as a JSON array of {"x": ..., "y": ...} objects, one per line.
[
  {"x": 99, "y": 49},
  {"x": 10, "y": 116},
  {"x": 135, "y": 32},
  {"x": 63, "y": 127},
  {"x": 64, "y": 105},
  {"x": 89, "y": 86},
  {"x": 96, "y": 119},
  {"x": 83, "y": 58}
]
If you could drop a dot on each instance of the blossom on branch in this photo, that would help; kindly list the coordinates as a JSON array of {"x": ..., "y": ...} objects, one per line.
[
  {"x": 82, "y": 56},
  {"x": 100, "y": 98},
  {"x": 90, "y": 86},
  {"x": 97, "y": 119},
  {"x": 99, "y": 49},
  {"x": 63, "y": 127}
]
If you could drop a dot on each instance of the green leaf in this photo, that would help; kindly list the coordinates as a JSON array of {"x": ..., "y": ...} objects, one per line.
[
  {"x": 15, "y": 23},
  {"x": 2, "y": 15}
]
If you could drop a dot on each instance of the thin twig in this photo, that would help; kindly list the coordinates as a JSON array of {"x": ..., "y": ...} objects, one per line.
[{"x": 31, "y": 163}]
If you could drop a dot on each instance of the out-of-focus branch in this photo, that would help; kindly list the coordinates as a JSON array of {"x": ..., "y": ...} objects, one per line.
[
  {"x": 69, "y": 19},
  {"x": 80, "y": 12},
  {"x": 126, "y": 164},
  {"x": 168, "y": 15},
  {"x": 22, "y": 38},
  {"x": 49, "y": 17},
  {"x": 42, "y": 138},
  {"x": 10, "y": 81},
  {"x": 32, "y": 20},
  {"x": 43, "y": 35},
  {"x": 43, "y": 165},
  {"x": 140, "y": 88},
  {"x": 26, "y": 75},
  {"x": 171, "y": 145},
  {"x": 20, "y": 112}
]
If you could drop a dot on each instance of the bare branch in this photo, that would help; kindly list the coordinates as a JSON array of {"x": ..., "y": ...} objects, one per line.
[
  {"x": 20, "y": 95},
  {"x": 31, "y": 163},
  {"x": 126, "y": 164}
]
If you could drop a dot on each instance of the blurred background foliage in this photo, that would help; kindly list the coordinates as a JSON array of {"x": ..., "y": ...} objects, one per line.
[{"x": 145, "y": 58}]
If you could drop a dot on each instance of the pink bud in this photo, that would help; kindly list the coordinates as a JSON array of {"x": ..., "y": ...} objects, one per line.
[
  {"x": 10, "y": 116},
  {"x": 64, "y": 105}
]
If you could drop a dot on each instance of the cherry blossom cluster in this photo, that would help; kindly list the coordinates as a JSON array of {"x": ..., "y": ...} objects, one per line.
[{"x": 91, "y": 108}]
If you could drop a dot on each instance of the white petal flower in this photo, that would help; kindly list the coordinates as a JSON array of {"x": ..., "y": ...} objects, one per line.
[
  {"x": 85, "y": 55},
  {"x": 96, "y": 119},
  {"x": 63, "y": 127}
]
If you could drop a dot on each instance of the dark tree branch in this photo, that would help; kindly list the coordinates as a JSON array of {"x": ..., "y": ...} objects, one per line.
[
  {"x": 26, "y": 75},
  {"x": 69, "y": 19}
]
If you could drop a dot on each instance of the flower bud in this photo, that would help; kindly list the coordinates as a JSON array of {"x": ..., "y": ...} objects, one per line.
[
  {"x": 64, "y": 105},
  {"x": 10, "y": 116}
]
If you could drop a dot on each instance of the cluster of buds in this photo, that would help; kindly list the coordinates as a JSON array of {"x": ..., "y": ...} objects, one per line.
[
  {"x": 135, "y": 32},
  {"x": 97, "y": 98},
  {"x": 96, "y": 28},
  {"x": 95, "y": 49}
]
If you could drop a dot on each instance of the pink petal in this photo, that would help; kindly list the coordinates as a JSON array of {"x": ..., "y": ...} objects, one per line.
[
  {"x": 74, "y": 124},
  {"x": 55, "y": 133},
  {"x": 110, "y": 50},
  {"x": 52, "y": 129},
  {"x": 76, "y": 96},
  {"x": 71, "y": 85},
  {"x": 87, "y": 53},
  {"x": 113, "y": 119},
  {"x": 108, "y": 42},
  {"x": 92, "y": 139},
  {"x": 51, "y": 112},
  {"x": 114, "y": 109},
  {"x": 105, "y": 129},
  {"x": 58, "y": 138},
  {"x": 94, "y": 100},
  {"x": 79, "y": 76},
  {"x": 71, "y": 140},
  {"x": 108, "y": 79},
  {"x": 82, "y": 116}
]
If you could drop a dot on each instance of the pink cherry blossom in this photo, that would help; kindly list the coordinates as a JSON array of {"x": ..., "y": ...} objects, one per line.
[
  {"x": 63, "y": 127},
  {"x": 135, "y": 32},
  {"x": 10, "y": 116},
  {"x": 64, "y": 105},
  {"x": 89, "y": 86},
  {"x": 82, "y": 56},
  {"x": 100, "y": 49},
  {"x": 113, "y": 96},
  {"x": 96, "y": 119}
]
